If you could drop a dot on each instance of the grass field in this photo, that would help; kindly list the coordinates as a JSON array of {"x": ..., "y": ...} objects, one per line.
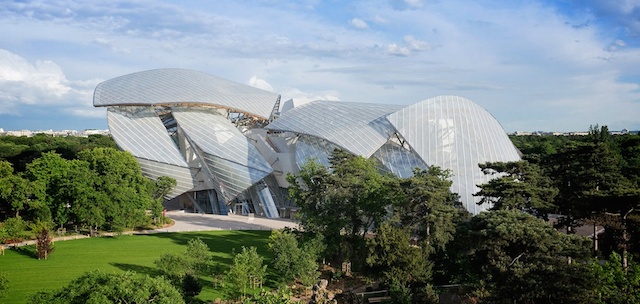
[{"x": 71, "y": 259}]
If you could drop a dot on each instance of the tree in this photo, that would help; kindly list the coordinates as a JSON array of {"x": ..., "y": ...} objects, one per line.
[
  {"x": 428, "y": 207},
  {"x": 513, "y": 255},
  {"x": 100, "y": 287},
  {"x": 615, "y": 284},
  {"x": 343, "y": 202},
  {"x": 162, "y": 187},
  {"x": 395, "y": 260},
  {"x": 246, "y": 270},
  {"x": 124, "y": 193},
  {"x": 43, "y": 239},
  {"x": 290, "y": 260},
  {"x": 17, "y": 193},
  {"x": 518, "y": 185},
  {"x": 194, "y": 261}
]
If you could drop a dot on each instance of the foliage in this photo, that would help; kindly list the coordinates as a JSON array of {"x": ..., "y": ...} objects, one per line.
[
  {"x": 43, "y": 239},
  {"x": 13, "y": 228},
  {"x": 127, "y": 253},
  {"x": 290, "y": 260},
  {"x": 191, "y": 286},
  {"x": 427, "y": 206},
  {"x": 513, "y": 254},
  {"x": 277, "y": 296},
  {"x": 193, "y": 262},
  {"x": 161, "y": 188},
  {"x": 352, "y": 197},
  {"x": 246, "y": 270},
  {"x": 21, "y": 150},
  {"x": 99, "y": 287},
  {"x": 615, "y": 285},
  {"x": 124, "y": 193},
  {"x": 400, "y": 293},
  {"x": 393, "y": 258},
  {"x": 517, "y": 185}
]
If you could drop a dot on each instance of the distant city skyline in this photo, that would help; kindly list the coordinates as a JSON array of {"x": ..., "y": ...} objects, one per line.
[{"x": 535, "y": 65}]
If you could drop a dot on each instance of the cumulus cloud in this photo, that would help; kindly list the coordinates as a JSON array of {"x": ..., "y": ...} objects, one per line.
[
  {"x": 411, "y": 44},
  {"x": 41, "y": 83},
  {"x": 299, "y": 97},
  {"x": 415, "y": 44},
  {"x": 396, "y": 50},
  {"x": 262, "y": 84},
  {"x": 358, "y": 23}
]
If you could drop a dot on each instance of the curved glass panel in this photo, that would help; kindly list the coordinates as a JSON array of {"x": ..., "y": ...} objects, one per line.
[
  {"x": 182, "y": 86},
  {"x": 398, "y": 160},
  {"x": 235, "y": 163},
  {"x": 359, "y": 128},
  {"x": 141, "y": 132},
  {"x": 308, "y": 148},
  {"x": 454, "y": 133}
]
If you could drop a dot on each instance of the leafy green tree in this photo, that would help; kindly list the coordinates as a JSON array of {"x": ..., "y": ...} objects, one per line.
[
  {"x": 125, "y": 193},
  {"x": 194, "y": 261},
  {"x": 17, "y": 193},
  {"x": 518, "y": 185},
  {"x": 615, "y": 285},
  {"x": 162, "y": 187},
  {"x": 246, "y": 270},
  {"x": 342, "y": 202},
  {"x": 13, "y": 228},
  {"x": 50, "y": 172},
  {"x": 100, "y": 287},
  {"x": 290, "y": 260},
  {"x": 519, "y": 258}
]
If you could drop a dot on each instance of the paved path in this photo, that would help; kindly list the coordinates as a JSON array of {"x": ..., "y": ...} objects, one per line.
[
  {"x": 200, "y": 222},
  {"x": 196, "y": 222}
]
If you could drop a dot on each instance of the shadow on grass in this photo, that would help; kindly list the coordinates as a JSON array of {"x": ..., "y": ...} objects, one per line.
[
  {"x": 28, "y": 251},
  {"x": 223, "y": 242},
  {"x": 150, "y": 271}
]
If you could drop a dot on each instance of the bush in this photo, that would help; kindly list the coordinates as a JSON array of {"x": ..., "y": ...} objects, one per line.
[{"x": 12, "y": 230}]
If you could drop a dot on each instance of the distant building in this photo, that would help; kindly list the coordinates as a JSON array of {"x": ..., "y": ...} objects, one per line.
[{"x": 230, "y": 149}]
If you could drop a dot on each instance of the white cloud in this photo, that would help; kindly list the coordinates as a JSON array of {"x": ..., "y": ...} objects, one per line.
[
  {"x": 415, "y": 44},
  {"x": 358, "y": 23},
  {"x": 299, "y": 97},
  {"x": 616, "y": 45},
  {"x": 256, "y": 82},
  {"x": 42, "y": 83},
  {"x": 394, "y": 49}
]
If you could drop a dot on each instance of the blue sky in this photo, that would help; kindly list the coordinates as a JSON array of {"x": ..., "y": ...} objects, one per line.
[{"x": 535, "y": 65}]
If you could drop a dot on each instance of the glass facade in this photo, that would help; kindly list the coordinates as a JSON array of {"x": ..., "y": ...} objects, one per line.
[
  {"x": 456, "y": 134},
  {"x": 206, "y": 132}
]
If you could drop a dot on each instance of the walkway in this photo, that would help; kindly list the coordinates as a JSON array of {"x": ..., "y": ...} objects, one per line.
[
  {"x": 196, "y": 222},
  {"x": 200, "y": 222}
]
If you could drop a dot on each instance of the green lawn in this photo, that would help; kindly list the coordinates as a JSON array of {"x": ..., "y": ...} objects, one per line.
[{"x": 125, "y": 253}]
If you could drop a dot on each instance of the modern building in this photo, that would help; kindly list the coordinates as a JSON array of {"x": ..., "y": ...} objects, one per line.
[{"x": 230, "y": 149}]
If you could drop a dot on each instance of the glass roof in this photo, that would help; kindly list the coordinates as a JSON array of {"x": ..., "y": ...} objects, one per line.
[
  {"x": 235, "y": 163},
  {"x": 454, "y": 133},
  {"x": 359, "y": 128},
  {"x": 141, "y": 132},
  {"x": 182, "y": 86}
]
